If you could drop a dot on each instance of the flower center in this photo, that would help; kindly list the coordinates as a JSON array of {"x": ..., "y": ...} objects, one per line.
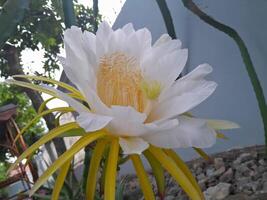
[{"x": 119, "y": 82}]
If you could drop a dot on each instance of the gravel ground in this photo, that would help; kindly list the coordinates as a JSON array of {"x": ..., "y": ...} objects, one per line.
[{"x": 239, "y": 174}]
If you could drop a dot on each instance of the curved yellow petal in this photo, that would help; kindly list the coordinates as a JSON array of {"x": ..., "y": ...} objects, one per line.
[
  {"x": 47, "y": 137},
  {"x": 81, "y": 143},
  {"x": 31, "y": 86},
  {"x": 46, "y": 112},
  {"x": 143, "y": 179},
  {"x": 61, "y": 84},
  {"x": 221, "y": 124},
  {"x": 175, "y": 172},
  {"x": 202, "y": 154},
  {"x": 60, "y": 179},
  {"x": 93, "y": 169},
  {"x": 43, "y": 105},
  {"x": 158, "y": 172},
  {"x": 111, "y": 171},
  {"x": 222, "y": 136},
  {"x": 180, "y": 163}
]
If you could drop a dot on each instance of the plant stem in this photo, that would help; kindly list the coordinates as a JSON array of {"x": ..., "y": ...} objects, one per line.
[
  {"x": 189, "y": 4},
  {"x": 69, "y": 15},
  {"x": 167, "y": 17}
]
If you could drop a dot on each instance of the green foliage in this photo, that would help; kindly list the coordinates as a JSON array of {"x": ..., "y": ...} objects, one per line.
[
  {"x": 12, "y": 12},
  {"x": 25, "y": 112},
  {"x": 85, "y": 17}
]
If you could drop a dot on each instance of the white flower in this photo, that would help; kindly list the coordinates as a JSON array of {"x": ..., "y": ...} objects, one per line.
[{"x": 131, "y": 88}]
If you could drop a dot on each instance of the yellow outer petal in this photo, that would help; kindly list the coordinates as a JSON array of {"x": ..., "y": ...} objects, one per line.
[
  {"x": 31, "y": 86},
  {"x": 158, "y": 172},
  {"x": 60, "y": 109},
  {"x": 43, "y": 105},
  {"x": 175, "y": 172},
  {"x": 60, "y": 179},
  {"x": 49, "y": 136},
  {"x": 221, "y": 124},
  {"x": 111, "y": 171},
  {"x": 81, "y": 143},
  {"x": 93, "y": 169},
  {"x": 61, "y": 84},
  {"x": 222, "y": 136},
  {"x": 202, "y": 154},
  {"x": 143, "y": 179},
  {"x": 180, "y": 163}
]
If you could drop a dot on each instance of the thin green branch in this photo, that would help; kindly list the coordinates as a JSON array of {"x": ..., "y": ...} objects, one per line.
[
  {"x": 69, "y": 15},
  {"x": 189, "y": 4},
  {"x": 95, "y": 12},
  {"x": 167, "y": 17}
]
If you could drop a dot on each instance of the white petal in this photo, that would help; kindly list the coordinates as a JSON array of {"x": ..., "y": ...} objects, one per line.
[
  {"x": 190, "y": 132},
  {"x": 128, "y": 112},
  {"x": 95, "y": 102},
  {"x": 102, "y": 37},
  {"x": 116, "y": 42},
  {"x": 183, "y": 102},
  {"x": 144, "y": 38},
  {"x": 167, "y": 43},
  {"x": 103, "y": 31},
  {"x": 221, "y": 124},
  {"x": 128, "y": 29},
  {"x": 87, "y": 120},
  {"x": 163, "y": 39},
  {"x": 164, "y": 69},
  {"x": 133, "y": 145},
  {"x": 128, "y": 122},
  {"x": 198, "y": 73},
  {"x": 91, "y": 122},
  {"x": 80, "y": 62},
  {"x": 76, "y": 105}
]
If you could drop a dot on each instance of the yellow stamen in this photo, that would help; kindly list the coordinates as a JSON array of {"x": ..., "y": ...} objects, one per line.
[
  {"x": 151, "y": 89},
  {"x": 118, "y": 81}
]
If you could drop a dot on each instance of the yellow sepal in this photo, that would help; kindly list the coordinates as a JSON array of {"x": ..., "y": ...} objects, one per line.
[
  {"x": 27, "y": 126},
  {"x": 93, "y": 169},
  {"x": 61, "y": 84},
  {"x": 47, "y": 137},
  {"x": 180, "y": 163},
  {"x": 111, "y": 171},
  {"x": 158, "y": 172},
  {"x": 76, "y": 147},
  {"x": 142, "y": 176},
  {"x": 175, "y": 172},
  {"x": 60, "y": 179}
]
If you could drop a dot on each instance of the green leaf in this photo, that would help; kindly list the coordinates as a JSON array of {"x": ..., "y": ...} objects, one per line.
[{"x": 12, "y": 13}]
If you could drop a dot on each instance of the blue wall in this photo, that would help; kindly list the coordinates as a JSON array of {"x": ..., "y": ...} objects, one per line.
[{"x": 234, "y": 98}]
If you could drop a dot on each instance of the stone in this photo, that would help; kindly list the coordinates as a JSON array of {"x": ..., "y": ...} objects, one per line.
[
  {"x": 210, "y": 172},
  {"x": 245, "y": 157},
  {"x": 201, "y": 176},
  {"x": 170, "y": 197},
  {"x": 218, "y": 163},
  {"x": 264, "y": 176},
  {"x": 219, "y": 171},
  {"x": 173, "y": 190},
  {"x": 264, "y": 186},
  {"x": 262, "y": 162},
  {"x": 217, "y": 192},
  {"x": 227, "y": 176},
  {"x": 242, "y": 182},
  {"x": 238, "y": 197}
]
